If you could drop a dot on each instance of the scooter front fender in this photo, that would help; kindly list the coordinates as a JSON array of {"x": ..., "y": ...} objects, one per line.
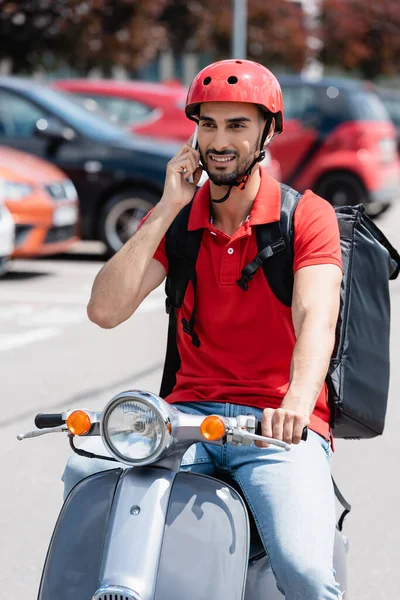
[
  {"x": 153, "y": 533},
  {"x": 74, "y": 558}
]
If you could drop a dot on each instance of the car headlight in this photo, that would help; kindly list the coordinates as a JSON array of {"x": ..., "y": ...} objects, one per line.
[
  {"x": 136, "y": 427},
  {"x": 13, "y": 191}
]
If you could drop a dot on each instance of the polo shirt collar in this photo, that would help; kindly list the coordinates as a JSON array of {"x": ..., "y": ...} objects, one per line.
[{"x": 266, "y": 207}]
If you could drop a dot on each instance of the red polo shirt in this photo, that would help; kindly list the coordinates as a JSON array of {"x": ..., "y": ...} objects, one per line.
[{"x": 247, "y": 338}]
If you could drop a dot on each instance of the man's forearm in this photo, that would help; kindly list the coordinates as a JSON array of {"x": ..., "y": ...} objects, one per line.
[
  {"x": 309, "y": 365},
  {"x": 116, "y": 286}
]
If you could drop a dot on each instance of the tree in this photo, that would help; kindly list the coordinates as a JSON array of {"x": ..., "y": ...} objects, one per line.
[
  {"x": 102, "y": 33},
  {"x": 276, "y": 32},
  {"x": 362, "y": 35},
  {"x": 80, "y": 33}
]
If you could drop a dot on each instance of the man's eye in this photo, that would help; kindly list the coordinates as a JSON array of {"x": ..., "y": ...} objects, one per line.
[
  {"x": 237, "y": 126},
  {"x": 208, "y": 124}
]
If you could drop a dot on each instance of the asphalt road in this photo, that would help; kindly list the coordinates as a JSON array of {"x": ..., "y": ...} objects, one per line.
[{"x": 52, "y": 358}]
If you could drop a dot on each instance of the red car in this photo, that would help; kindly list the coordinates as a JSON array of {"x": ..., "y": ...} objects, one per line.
[
  {"x": 339, "y": 141},
  {"x": 150, "y": 109}
]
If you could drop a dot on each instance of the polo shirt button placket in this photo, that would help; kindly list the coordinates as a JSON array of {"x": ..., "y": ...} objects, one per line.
[{"x": 230, "y": 266}]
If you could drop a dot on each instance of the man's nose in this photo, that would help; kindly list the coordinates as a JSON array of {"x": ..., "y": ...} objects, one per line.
[{"x": 220, "y": 140}]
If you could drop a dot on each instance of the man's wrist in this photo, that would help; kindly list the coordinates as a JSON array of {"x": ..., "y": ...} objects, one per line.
[
  {"x": 170, "y": 207},
  {"x": 300, "y": 403}
]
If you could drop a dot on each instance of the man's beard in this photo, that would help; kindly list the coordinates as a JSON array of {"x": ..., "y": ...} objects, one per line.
[{"x": 229, "y": 178}]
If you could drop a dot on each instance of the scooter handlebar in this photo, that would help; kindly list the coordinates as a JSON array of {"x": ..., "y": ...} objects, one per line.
[{"x": 44, "y": 420}]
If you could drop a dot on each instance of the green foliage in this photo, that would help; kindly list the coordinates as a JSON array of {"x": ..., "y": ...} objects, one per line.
[{"x": 362, "y": 35}]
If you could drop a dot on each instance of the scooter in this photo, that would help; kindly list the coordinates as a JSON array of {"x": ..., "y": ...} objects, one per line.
[{"x": 149, "y": 531}]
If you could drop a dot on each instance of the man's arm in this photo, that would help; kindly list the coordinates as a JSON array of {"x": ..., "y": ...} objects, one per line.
[
  {"x": 315, "y": 309},
  {"x": 129, "y": 276}
]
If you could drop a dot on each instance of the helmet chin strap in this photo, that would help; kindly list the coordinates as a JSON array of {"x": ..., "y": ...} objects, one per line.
[{"x": 242, "y": 180}]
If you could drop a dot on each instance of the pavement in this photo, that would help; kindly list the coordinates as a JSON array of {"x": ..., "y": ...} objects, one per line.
[{"x": 53, "y": 358}]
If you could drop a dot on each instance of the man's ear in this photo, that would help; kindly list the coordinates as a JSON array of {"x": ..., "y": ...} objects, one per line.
[{"x": 270, "y": 135}]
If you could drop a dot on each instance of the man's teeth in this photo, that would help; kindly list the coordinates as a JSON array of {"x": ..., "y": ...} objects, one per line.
[{"x": 222, "y": 158}]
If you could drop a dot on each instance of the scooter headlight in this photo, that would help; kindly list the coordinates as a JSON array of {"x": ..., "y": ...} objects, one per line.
[{"x": 135, "y": 427}]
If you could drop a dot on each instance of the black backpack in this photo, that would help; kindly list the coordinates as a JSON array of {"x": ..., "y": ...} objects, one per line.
[{"x": 358, "y": 376}]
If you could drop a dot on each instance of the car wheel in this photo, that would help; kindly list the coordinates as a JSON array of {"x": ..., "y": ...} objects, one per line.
[
  {"x": 342, "y": 189},
  {"x": 122, "y": 215}
]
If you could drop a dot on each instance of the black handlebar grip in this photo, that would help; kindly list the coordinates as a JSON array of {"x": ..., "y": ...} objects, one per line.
[{"x": 49, "y": 420}]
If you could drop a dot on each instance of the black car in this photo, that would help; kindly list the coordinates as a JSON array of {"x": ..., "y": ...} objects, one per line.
[{"x": 119, "y": 177}]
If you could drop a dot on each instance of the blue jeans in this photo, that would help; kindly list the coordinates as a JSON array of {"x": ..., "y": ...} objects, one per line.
[{"x": 289, "y": 493}]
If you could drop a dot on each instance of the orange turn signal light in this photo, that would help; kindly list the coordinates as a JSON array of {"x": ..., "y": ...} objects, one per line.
[
  {"x": 79, "y": 422},
  {"x": 213, "y": 428}
]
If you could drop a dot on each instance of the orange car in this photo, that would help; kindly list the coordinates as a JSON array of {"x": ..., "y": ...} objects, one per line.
[{"x": 43, "y": 202}]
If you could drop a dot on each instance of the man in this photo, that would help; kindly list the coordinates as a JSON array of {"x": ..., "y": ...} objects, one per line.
[{"x": 254, "y": 353}]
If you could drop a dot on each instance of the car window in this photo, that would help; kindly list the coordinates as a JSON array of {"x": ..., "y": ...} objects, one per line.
[
  {"x": 366, "y": 106},
  {"x": 300, "y": 102},
  {"x": 124, "y": 110},
  {"x": 393, "y": 107},
  {"x": 18, "y": 116},
  {"x": 66, "y": 107}
]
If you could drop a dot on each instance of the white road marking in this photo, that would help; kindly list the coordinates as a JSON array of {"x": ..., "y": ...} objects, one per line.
[
  {"x": 51, "y": 313},
  {"x": 53, "y": 316},
  {"x": 63, "y": 298},
  {"x": 44, "y": 298},
  {"x": 17, "y": 340},
  {"x": 15, "y": 311}
]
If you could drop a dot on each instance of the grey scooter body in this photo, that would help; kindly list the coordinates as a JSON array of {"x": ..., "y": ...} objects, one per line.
[{"x": 152, "y": 533}]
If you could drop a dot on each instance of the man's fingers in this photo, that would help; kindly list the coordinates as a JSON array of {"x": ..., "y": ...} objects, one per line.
[
  {"x": 278, "y": 421},
  {"x": 298, "y": 427},
  {"x": 288, "y": 428},
  {"x": 184, "y": 163},
  {"x": 197, "y": 175},
  {"x": 266, "y": 426}
]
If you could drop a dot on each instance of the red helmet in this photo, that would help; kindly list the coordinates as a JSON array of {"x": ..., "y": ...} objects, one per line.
[{"x": 236, "y": 81}]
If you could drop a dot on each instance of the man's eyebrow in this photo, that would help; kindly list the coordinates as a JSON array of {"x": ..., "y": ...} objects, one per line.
[{"x": 233, "y": 120}]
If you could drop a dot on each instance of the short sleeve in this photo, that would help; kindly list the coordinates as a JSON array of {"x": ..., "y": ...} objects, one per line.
[
  {"x": 316, "y": 233},
  {"x": 160, "y": 254}
]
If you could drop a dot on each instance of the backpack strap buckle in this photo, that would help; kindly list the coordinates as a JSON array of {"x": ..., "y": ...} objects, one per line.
[
  {"x": 249, "y": 270},
  {"x": 188, "y": 328},
  {"x": 278, "y": 246},
  {"x": 243, "y": 282}
]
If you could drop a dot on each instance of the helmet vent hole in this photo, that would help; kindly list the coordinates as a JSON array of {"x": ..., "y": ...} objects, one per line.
[
  {"x": 207, "y": 81},
  {"x": 239, "y": 62},
  {"x": 232, "y": 79}
]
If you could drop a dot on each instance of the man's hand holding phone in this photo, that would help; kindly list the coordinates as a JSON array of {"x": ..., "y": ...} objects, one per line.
[{"x": 183, "y": 174}]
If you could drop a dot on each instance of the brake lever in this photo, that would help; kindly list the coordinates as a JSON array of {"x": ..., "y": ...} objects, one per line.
[
  {"x": 240, "y": 437},
  {"x": 38, "y": 432}
]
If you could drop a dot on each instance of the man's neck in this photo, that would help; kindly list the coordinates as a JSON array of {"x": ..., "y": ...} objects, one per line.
[{"x": 232, "y": 213}]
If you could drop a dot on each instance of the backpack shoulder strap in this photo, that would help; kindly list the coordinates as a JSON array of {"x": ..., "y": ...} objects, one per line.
[
  {"x": 278, "y": 270},
  {"x": 182, "y": 248}
]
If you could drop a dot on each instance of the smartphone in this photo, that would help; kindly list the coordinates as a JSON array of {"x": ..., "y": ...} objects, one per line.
[{"x": 194, "y": 145}]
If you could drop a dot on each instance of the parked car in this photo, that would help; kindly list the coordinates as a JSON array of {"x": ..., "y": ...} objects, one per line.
[
  {"x": 391, "y": 100},
  {"x": 42, "y": 201},
  {"x": 339, "y": 141},
  {"x": 7, "y": 236},
  {"x": 151, "y": 109},
  {"x": 118, "y": 176}
]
